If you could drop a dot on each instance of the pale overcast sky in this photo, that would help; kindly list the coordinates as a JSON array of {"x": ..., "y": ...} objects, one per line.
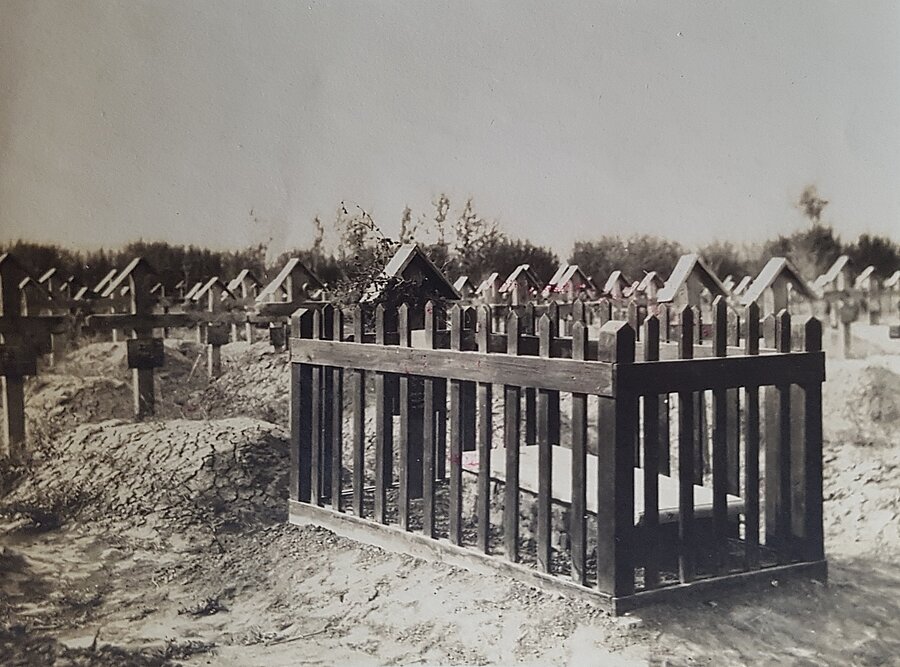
[{"x": 173, "y": 119}]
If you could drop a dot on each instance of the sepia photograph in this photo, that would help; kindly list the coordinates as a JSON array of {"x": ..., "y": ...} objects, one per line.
[{"x": 385, "y": 332}]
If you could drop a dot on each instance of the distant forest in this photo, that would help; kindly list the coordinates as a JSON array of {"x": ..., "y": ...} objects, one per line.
[{"x": 467, "y": 245}]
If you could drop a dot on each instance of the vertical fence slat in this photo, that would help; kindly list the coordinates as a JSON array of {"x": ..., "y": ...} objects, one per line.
[
  {"x": 405, "y": 437},
  {"x": 797, "y": 473},
  {"x": 301, "y": 415},
  {"x": 328, "y": 375},
  {"x": 545, "y": 454},
  {"x": 440, "y": 400},
  {"x": 687, "y": 445},
  {"x": 604, "y": 311},
  {"x": 781, "y": 456},
  {"x": 384, "y": 425},
  {"x": 485, "y": 437},
  {"x": 456, "y": 433},
  {"x": 577, "y": 519},
  {"x": 751, "y": 447},
  {"x": 664, "y": 400},
  {"x": 429, "y": 444},
  {"x": 337, "y": 417},
  {"x": 468, "y": 396},
  {"x": 720, "y": 441},
  {"x": 651, "y": 462},
  {"x": 554, "y": 420},
  {"x": 733, "y": 414},
  {"x": 315, "y": 390},
  {"x": 512, "y": 418},
  {"x": 358, "y": 402},
  {"x": 814, "y": 546},
  {"x": 528, "y": 327},
  {"x": 615, "y": 468}
]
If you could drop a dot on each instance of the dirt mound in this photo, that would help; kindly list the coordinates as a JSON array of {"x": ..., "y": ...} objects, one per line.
[
  {"x": 862, "y": 500},
  {"x": 222, "y": 474},
  {"x": 94, "y": 384},
  {"x": 110, "y": 359},
  {"x": 861, "y": 402},
  {"x": 56, "y": 403}
]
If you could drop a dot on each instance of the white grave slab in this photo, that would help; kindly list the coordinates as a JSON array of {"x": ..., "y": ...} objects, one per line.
[{"x": 561, "y": 485}]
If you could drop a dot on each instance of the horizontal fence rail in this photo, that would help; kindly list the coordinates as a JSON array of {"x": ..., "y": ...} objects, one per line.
[{"x": 592, "y": 462}]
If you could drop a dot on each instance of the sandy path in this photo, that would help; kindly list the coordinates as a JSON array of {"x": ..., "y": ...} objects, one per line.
[{"x": 209, "y": 588}]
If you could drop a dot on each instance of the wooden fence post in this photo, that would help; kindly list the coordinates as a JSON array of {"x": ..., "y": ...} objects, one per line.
[
  {"x": 615, "y": 463},
  {"x": 301, "y": 414},
  {"x": 814, "y": 541}
]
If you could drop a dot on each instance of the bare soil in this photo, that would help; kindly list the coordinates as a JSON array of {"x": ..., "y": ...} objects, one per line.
[{"x": 165, "y": 543}]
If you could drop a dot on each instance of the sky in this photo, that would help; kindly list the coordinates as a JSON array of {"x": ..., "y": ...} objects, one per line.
[{"x": 224, "y": 123}]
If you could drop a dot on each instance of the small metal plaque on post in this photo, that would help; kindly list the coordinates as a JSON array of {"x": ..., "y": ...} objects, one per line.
[
  {"x": 217, "y": 334},
  {"x": 17, "y": 361},
  {"x": 145, "y": 353}
]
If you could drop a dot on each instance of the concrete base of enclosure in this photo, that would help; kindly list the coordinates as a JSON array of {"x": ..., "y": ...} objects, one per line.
[{"x": 393, "y": 539}]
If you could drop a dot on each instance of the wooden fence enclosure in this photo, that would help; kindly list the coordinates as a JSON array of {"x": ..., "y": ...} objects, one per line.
[{"x": 567, "y": 461}]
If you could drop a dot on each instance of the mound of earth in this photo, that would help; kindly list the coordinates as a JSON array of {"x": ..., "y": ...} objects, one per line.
[
  {"x": 861, "y": 401},
  {"x": 94, "y": 384},
  {"x": 162, "y": 476}
]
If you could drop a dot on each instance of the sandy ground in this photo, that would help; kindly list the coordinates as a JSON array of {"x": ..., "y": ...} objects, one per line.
[{"x": 165, "y": 543}]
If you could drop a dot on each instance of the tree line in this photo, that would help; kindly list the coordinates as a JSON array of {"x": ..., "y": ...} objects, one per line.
[{"x": 352, "y": 249}]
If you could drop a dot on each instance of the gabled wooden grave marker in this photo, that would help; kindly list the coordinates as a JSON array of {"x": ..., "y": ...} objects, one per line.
[
  {"x": 36, "y": 300},
  {"x": 215, "y": 334},
  {"x": 465, "y": 287},
  {"x": 245, "y": 287},
  {"x": 24, "y": 337},
  {"x": 521, "y": 286},
  {"x": 145, "y": 352},
  {"x": 412, "y": 265},
  {"x": 685, "y": 287},
  {"x": 294, "y": 286},
  {"x": 773, "y": 286},
  {"x": 867, "y": 284},
  {"x": 569, "y": 282},
  {"x": 489, "y": 289}
]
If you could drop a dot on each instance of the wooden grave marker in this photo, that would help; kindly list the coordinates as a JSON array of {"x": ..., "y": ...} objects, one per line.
[
  {"x": 689, "y": 281},
  {"x": 568, "y": 283},
  {"x": 245, "y": 287},
  {"x": 522, "y": 286},
  {"x": 294, "y": 287},
  {"x": 774, "y": 285},
  {"x": 145, "y": 352},
  {"x": 24, "y": 337},
  {"x": 213, "y": 332},
  {"x": 465, "y": 287}
]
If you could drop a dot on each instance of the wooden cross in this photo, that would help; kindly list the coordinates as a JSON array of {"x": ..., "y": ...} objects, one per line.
[
  {"x": 24, "y": 338},
  {"x": 214, "y": 330},
  {"x": 296, "y": 282},
  {"x": 245, "y": 287},
  {"x": 145, "y": 352}
]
